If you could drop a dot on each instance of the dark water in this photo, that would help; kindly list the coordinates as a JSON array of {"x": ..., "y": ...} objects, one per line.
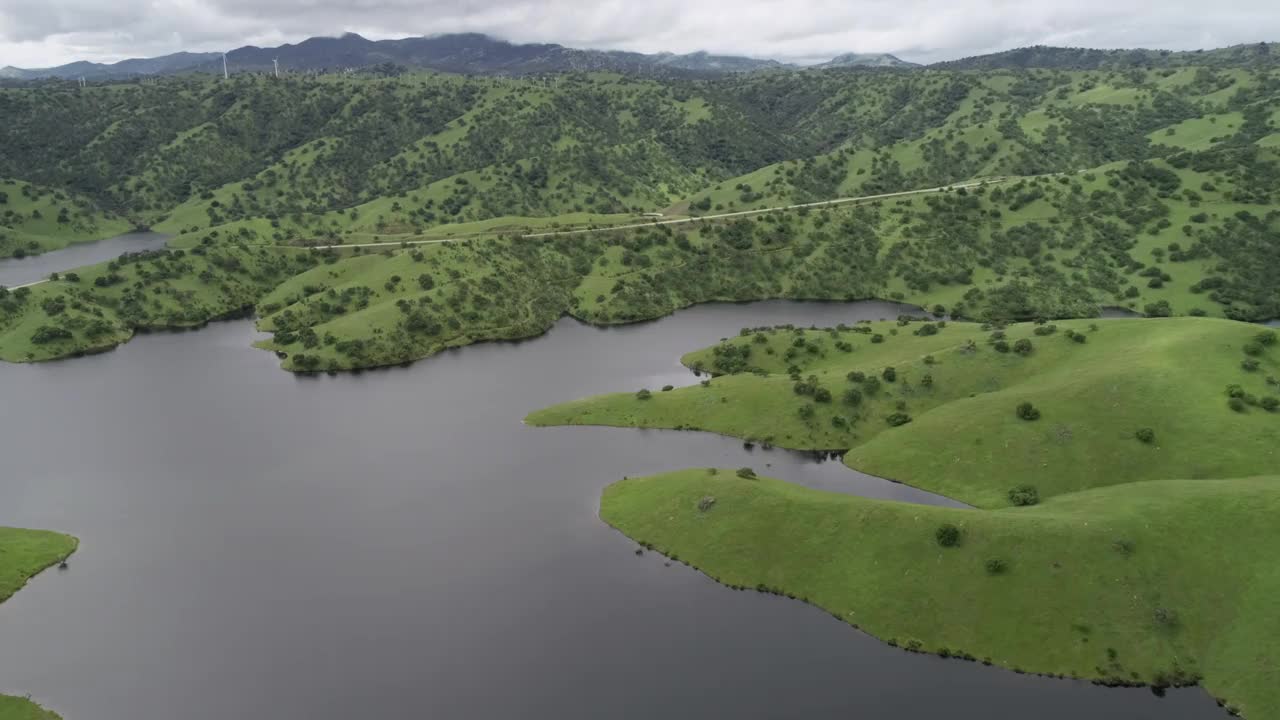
[
  {"x": 398, "y": 544},
  {"x": 37, "y": 267}
]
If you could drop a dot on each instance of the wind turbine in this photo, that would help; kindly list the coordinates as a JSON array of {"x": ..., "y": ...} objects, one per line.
[{"x": 224, "y": 67}]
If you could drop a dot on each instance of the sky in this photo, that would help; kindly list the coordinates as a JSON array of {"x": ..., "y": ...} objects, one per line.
[{"x": 42, "y": 33}]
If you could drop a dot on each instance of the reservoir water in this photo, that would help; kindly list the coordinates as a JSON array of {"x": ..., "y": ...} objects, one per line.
[
  {"x": 14, "y": 272},
  {"x": 397, "y": 544}
]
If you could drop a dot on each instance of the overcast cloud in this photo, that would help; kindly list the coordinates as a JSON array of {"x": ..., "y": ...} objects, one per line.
[{"x": 39, "y": 33}]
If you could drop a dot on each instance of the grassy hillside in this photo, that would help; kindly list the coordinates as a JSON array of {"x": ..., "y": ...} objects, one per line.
[
  {"x": 1158, "y": 582},
  {"x": 1152, "y": 190},
  {"x": 23, "y": 554},
  {"x": 1123, "y": 471},
  {"x": 16, "y": 708},
  {"x": 948, "y": 420},
  {"x": 35, "y": 220}
]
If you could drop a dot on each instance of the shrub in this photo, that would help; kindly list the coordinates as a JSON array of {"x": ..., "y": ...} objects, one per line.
[
  {"x": 822, "y": 395},
  {"x": 930, "y": 360},
  {"x": 1024, "y": 495},
  {"x": 1046, "y": 330},
  {"x": 1022, "y": 347},
  {"x": 643, "y": 394},
  {"x": 947, "y": 535},
  {"x": 898, "y": 419},
  {"x": 1146, "y": 435},
  {"x": 852, "y": 397},
  {"x": 877, "y": 338},
  {"x": 746, "y": 473},
  {"x": 1249, "y": 364},
  {"x": 1267, "y": 338},
  {"x": 996, "y": 566},
  {"x": 856, "y": 377},
  {"x": 705, "y": 503},
  {"x": 1253, "y": 348},
  {"x": 1001, "y": 346},
  {"x": 1236, "y": 404},
  {"x": 1027, "y": 411},
  {"x": 1270, "y": 403},
  {"x": 668, "y": 388},
  {"x": 889, "y": 374},
  {"x": 1166, "y": 617},
  {"x": 926, "y": 380},
  {"x": 1122, "y": 546},
  {"x": 806, "y": 412}
]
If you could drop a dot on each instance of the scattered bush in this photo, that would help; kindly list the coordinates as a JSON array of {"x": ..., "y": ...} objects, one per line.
[
  {"x": 643, "y": 394},
  {"x": 1022, "y": 347},
  {"x": 822, "y": 395},
  {"x": 1024, "y": 495},
  {"x": 889, "y": 374},
  {"x": 1270, "y": 403},
  {"x": 1236, "y": 404},
  {"x": 1122, "y": 546},
  {"x": 897, "y": 419},
  {"x": 1027, "y": 411},
  {"x": 747, "y": 473},
  {"x": 856, "y": 377},
  {"x": 1253, "y": 348},
  {"x": 668, "y": 388},
  {"x": 947, "y": 535},
  {"x": 1146, "y": 435},
  {"x": 1166, "y": 617},
  {"x": 996, "y": 566},
  {"x": 705, "y": 503},
  {"x": 1249, "y": 364},
  {"x": 852, "y": 397}
]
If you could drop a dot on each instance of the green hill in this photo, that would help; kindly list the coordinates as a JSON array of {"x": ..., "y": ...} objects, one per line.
[
  {"x": 1150, "y": 189},
  {"x": 947, "y": 422},
  {"x": 35, "y": 220},
  {"x": 1124, "y": 470},
  {"x": 1161, "y": 583}
]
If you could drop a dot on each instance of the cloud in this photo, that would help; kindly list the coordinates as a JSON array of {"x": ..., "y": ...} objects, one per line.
[{"x": 49, "y": 32}]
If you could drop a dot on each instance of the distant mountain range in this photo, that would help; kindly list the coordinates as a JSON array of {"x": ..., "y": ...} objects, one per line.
[
  {"x": 461, "y": 53},
  {"x": 478, "y": 54}
]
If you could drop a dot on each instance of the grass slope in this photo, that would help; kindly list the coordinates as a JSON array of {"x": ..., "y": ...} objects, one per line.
[
  {"x": 16, "y": 708},
  {"x": 964, "y": 438},
  {"x": 34, "y": 220},
  {"x": 1156, "y": 582}
]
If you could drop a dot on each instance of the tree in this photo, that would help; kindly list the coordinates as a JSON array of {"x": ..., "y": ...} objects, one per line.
[
  {"x": 1024, "y": 495},
  {"x": 947, "y": 535},
  {"x": 889, "y": 374}
]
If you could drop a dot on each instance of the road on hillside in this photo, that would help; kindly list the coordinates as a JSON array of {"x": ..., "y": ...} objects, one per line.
[{"x": 632, "y": 226}]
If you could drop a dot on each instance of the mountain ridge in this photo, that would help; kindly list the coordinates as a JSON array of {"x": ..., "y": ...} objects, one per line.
[{"x": 480, "y": 54}]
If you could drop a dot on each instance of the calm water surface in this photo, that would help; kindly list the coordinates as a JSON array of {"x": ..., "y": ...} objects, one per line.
[
  {"x": 37, "y": 267},
  {"x": 397, "y": 544}
]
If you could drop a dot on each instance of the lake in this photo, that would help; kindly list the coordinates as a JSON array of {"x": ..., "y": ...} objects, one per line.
[
  {"x": 397, "y": 544},
  {"x": 15, "y": 272}
]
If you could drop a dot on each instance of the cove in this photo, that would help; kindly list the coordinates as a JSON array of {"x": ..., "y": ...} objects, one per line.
[
  {"x": 14, "y": 271},
  {"x": 397, "y": 543}
]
